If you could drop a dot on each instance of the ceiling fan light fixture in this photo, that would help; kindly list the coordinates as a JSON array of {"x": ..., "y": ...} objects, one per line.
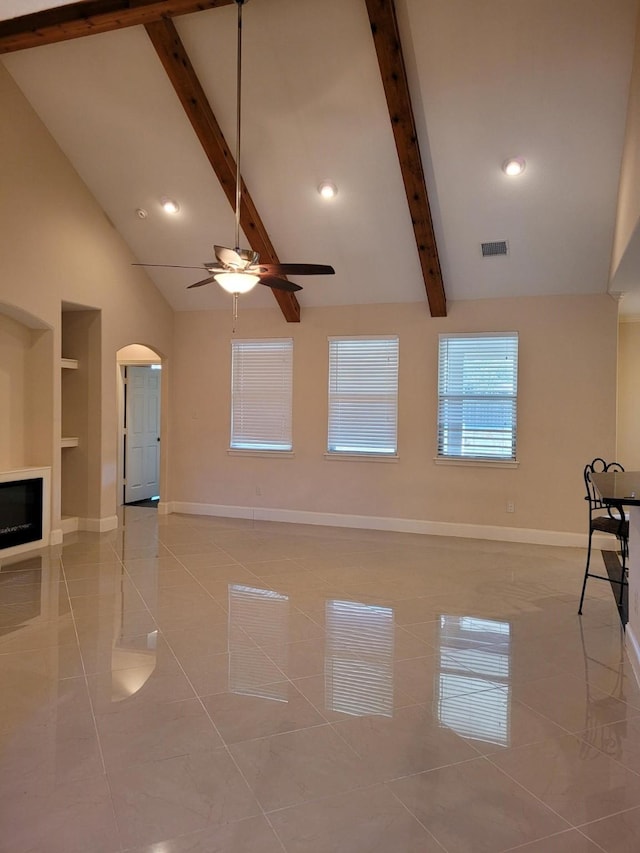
[
  {"x": 237, "y": 270},
  {"x": 169, "y": 205},
  {"x": 328, "y": 189},
  {"x": 237, "y": 282},
  {"x": 514, "y": 166}
]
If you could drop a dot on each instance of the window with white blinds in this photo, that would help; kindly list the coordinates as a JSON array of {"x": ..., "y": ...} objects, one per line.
[
  {"x": 477, "y": 396},
  {"x": 363, "y": 395},
  {"x": 261, "y": 394}
]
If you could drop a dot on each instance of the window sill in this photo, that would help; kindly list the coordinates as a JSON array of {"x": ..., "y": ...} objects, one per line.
[
  {"x": 361, "y": 457},
  {"x": 281, "y": 454},
  {"x": 476, "y": 463}
]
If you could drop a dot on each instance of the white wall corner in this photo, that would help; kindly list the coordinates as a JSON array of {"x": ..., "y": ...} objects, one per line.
[{"x": 165, "y": 507}]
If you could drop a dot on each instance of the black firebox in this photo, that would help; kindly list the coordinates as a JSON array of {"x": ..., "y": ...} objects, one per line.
[{"x": 20, "y": 512}]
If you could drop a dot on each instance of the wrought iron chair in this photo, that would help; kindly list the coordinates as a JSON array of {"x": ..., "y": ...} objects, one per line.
[{"x": 605, "y": 518}]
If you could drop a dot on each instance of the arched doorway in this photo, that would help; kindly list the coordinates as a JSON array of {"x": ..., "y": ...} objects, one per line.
[{"x": 139, "y": 418}]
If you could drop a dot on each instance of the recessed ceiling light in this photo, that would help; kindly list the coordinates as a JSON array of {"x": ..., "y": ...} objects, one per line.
[
  {"x": 169, "y": 205},
  {"x": 328, "y": 189},
  {"x": 514, "y": 166}
]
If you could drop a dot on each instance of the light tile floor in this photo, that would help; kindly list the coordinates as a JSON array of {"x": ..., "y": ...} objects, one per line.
[{"x": 202, "y": 685}]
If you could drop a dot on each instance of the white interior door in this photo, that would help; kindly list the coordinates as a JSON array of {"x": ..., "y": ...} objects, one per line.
[{"x": 142, "y": 439}]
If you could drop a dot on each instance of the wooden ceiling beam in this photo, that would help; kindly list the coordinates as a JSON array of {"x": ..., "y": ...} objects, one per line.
[
  {"x": 92, "y": 16},
  {"x": 386, "y": 37},
  {"x": 177, "y": 64}
]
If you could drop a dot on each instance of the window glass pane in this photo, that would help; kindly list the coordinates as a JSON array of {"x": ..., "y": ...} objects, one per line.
[
  {"x": 477, "y": 396},
  {"x": 363, "y": 395},
  {"x": 261, "y": 394}
]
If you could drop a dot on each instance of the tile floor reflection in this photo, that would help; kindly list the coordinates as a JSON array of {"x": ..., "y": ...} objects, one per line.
[{"x": 205, "y": 685}]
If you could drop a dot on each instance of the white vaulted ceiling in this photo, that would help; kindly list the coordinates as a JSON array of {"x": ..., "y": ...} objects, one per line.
[{"x": 547, "y": 80}]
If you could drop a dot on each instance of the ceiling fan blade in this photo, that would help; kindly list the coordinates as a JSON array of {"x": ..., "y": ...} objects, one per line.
[
  {"x": 278, "y": 283},
  {"x": 229, "y": 257},
  {"x": 200, "y": 283},
  {"x": 297, "y": 269},
  {"x": 168, "y": 266},
  {"x": 213, "y": 267}
]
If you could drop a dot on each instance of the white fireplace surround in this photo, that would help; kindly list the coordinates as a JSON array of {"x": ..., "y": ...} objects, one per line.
[{"x": 31, "y": 474}]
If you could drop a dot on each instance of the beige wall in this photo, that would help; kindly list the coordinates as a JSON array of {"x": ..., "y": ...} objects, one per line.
[
  {"x": 628, "y": 214},
  {"x": 629, "y": 396},
  {"x": 40, "y": 394},
  {"x": 26, "y": 394},
  {"x": 137, "y": 354},
  {"x": 567, "y": 399},
  {"x": 58, "y": 246},
  {"x": 15, "y": 340}
]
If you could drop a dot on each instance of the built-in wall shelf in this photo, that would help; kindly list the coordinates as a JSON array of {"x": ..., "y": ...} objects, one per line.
[
  {"x": 79, "y": 376},
  {"x": 69, "y": 364}
]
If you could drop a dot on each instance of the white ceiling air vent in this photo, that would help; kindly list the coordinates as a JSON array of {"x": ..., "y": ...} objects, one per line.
[{"x": 498, "y": 247}]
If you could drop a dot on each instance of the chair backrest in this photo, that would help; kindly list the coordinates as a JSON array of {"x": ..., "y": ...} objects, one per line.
[{"x": 598, "y": 466}]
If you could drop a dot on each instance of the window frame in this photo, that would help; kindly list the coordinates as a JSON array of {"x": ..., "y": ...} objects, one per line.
[
  {"x": 240, "y": 440},
  {"x": 508, "y": 400},
  {"x": 350, "y": 450}
]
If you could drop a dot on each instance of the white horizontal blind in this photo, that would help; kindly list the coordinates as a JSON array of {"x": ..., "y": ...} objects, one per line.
[
  {"x": 261, "y": 394},
  {"x": 477, "y": 396},
  {"x": 363, "y": 395}
]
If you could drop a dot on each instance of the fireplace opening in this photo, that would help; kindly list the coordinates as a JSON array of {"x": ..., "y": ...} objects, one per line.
[{"x": 20, "y": 512}]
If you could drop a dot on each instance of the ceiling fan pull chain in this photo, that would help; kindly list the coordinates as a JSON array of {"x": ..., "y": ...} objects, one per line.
[{"x": 235, "y": 312}]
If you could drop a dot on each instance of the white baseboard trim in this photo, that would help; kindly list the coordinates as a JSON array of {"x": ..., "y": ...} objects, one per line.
[
  {"x": 602, "y": 542},
  {"x": 398, "y": 525},
  {"x": 221, "y": 510},
  {"x": 69, "y": 524},
  {"x": 56, "y": 536},
  {"x": 165, "y": 507},
  {"x": 98, "y": 525},
  {"x": 72, "y": 524},
  {"x": 633, "y": 650}
]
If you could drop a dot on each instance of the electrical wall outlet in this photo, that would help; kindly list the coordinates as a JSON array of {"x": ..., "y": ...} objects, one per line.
[
  {"x": 511, "y": 507},
  {"x": 258, "y": 490}
]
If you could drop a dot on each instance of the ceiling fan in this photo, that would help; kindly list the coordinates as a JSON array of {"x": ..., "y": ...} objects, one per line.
[{"x": 239, "y": 270}]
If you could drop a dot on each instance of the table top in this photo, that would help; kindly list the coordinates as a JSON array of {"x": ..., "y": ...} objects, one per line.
[{"x": 621, "y": 487}]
